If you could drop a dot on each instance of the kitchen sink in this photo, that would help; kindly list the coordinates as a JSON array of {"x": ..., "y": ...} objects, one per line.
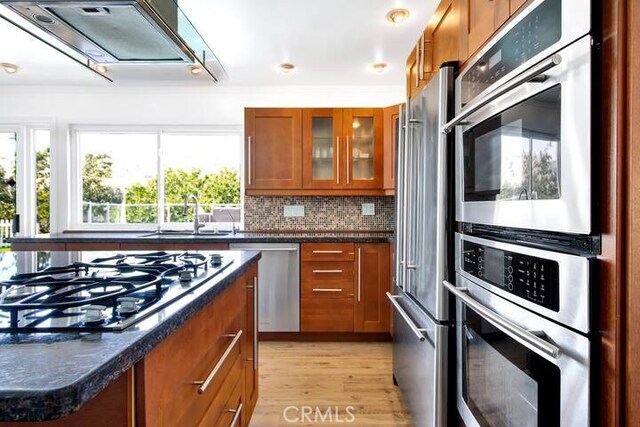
[{"x": 185, "y": 233}]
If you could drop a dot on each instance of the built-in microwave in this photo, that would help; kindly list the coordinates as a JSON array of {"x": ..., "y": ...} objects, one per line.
[{"x": 523, "y": 125}]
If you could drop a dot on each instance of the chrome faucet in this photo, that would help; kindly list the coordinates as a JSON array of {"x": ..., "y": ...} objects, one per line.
[
  {"x": 196, "y": 222},
  {"x": 234, "y": 228}
]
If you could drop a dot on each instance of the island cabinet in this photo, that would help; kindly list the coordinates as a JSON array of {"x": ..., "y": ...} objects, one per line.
[
  {"x": 205, "y": 373},
  {"x": 343, "y": 287},
  {"x": 342, "y": 148}
]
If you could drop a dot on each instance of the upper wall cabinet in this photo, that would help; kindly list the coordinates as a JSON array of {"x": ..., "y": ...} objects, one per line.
[
  {"x": 391, "y": 135},
  {"x": 480, "y": 19},
  {"x": 484, "y": 18},
  {"x": 342, "y": 148},
  {"x": 443, "y": 35},
  {"x": 457, "y": 29},
  {"x": 416, "y": 77},
  {"x": 314, "y": 151},
  {"x": 439, "y": 43},
  {"x": 362, "y": 130},
  {"x": 273, "y": 138},
  {"x": 321, "y": 146}
]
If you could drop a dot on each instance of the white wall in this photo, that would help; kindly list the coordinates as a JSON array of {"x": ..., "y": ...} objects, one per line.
[
  {"x": 178, "y": 105},
  {"x": 159, "y": 105}
]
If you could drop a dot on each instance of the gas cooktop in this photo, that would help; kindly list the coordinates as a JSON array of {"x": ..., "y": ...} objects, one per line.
[{"x": 104, "y": 294}]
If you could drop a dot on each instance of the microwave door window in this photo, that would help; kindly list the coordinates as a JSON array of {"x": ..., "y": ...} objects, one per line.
[{"x": 515, "y": 155}]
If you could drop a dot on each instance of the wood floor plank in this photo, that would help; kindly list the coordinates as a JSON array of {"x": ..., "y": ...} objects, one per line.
[{"x": 332, "y": 377}]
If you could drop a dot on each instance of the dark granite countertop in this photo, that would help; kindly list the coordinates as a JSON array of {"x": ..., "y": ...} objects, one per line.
[
  {"x": 240, "y": 237},
  {"x": 48, "y": 376}
]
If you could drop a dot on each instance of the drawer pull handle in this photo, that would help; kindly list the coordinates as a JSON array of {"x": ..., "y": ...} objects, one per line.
[
  {"x": 327, "y": 289},
  {"x": 237, "y": 413},
  {"x": 204, "y": 384},
  {"x": 327, "y": 271},
  {"x": 327, "y": 252}
]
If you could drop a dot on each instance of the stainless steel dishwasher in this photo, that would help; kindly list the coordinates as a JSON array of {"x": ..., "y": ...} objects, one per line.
[{"x": 278, "y": 285}]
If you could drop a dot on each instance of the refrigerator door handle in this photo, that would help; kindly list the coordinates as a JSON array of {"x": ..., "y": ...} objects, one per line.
[{"x": 419, "y": 333}]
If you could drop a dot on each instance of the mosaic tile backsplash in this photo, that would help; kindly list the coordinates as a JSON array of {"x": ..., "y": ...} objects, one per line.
[{"x": 320, "y": 213}]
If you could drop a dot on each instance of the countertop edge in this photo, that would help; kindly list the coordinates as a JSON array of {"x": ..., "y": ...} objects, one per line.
[
  {"x": 382, "y": 236},
  {"x": 47, "y": 405}
]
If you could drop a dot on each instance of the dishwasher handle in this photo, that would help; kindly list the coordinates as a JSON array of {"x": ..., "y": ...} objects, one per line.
[{"x": 266, "y": 249}]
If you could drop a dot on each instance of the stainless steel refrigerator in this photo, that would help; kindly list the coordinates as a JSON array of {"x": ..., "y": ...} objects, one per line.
[{"x": 421, "y": 319}]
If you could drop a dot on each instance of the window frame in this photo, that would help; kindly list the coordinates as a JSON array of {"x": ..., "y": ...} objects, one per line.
[
  {"x": 26, "y": 200},
  {"x": 75, "y": 214}
]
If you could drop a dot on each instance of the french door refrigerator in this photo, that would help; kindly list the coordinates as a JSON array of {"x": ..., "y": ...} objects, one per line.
[{"x": 421, "y": 317}]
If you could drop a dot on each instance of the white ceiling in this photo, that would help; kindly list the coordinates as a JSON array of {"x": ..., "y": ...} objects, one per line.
[{"x": 331, "y": 42}]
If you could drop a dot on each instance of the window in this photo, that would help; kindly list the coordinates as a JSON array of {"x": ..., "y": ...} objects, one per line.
[
  {"x": 25, "y": 181},
  {"x": 143, "y": 177}
]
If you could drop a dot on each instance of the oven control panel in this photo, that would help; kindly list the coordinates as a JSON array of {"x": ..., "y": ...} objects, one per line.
[
  {"x": 533, "y": 33},
  {"x": 531, "y": 278}
]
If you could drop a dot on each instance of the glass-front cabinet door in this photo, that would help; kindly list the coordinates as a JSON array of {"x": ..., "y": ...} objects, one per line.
[
  {"x": 322, "y": 146},
  {"x": 362, "y": 129}
]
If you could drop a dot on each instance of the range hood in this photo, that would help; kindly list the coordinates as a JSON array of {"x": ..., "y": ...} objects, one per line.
[{"x": 122, "y": 31}]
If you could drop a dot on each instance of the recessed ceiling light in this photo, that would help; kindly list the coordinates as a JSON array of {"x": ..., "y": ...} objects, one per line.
[
  {"x": 101, "y": 68},
  {"x": 287, "y": 68},
  {"x": 196, "y": 69},
  {"x": 380, "y": 67},
  {"x": 9, "y": 68},
  {"x": 397, "y": 16}
]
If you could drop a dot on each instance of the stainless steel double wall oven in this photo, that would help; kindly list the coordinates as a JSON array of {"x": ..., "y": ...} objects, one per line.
[{"x": 526, "y": 240}]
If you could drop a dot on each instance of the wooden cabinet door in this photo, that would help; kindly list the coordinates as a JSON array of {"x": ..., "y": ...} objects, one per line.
[
  {"x": 391, "y": 133},
  {"x": 322, "y": 166},
  {"x": 515, "y": 5},
  {"x": 414, "y": 73},
  {"x": 443, "y": 33},
  {"x": 273, "y": 150},
  {"x": 362, "y": 130},
  {"x": 484, "y": 18},
  {"x": 372, "y": 281}
]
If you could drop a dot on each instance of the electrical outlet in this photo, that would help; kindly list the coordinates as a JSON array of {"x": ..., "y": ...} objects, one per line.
[
  {"x": 368, "y": 209},
  {"x": 294, "y": 210}
]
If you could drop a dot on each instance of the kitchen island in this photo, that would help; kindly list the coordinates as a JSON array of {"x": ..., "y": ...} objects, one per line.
[{"x": 56, "y": 376}]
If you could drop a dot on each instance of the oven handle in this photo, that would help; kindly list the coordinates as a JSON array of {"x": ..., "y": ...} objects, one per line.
[
  {"x": 532, "y": 74},
  {"x": 521, "y": 335}
]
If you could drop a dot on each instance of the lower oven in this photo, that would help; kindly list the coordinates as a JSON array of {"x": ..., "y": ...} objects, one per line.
[{"x": 521, "y": 362}]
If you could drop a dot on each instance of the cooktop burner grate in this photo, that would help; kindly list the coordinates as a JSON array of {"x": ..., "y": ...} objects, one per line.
[{"x": 103, "y": 294}]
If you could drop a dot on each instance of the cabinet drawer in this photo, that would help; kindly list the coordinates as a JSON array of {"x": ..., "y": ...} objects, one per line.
[
  {"x": 233, "y": 411},
  {"x": 191, "y": 354},
  {"x": 326, "y": 314},
  {"x": 327, "y": 279},
  {"x": 327, "y": 252},
  {"x": 226, "y": 400}
]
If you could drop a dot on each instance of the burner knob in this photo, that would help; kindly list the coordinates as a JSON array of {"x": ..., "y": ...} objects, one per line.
[
  {"x": 94, "y": 313},
  {"x": 216, "y": 259},
  {"x": 185, "y": 275},
  {"x": 128, "y": 305}
]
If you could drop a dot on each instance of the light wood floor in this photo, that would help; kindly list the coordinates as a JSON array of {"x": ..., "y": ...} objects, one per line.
[{"x": 328, "y": 375}]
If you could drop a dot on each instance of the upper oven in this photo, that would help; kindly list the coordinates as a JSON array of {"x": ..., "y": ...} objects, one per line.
[{"x": 523, "y": 133}]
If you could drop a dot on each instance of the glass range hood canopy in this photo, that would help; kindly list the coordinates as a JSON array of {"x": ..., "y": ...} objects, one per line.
[{"x": 122, "y": 31}]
